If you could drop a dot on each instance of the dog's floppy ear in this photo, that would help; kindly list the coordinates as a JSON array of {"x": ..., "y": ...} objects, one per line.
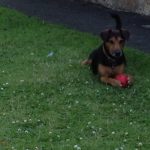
[
  {"x": 105, "y": 34},
  {"x": 125, "y": 34}
]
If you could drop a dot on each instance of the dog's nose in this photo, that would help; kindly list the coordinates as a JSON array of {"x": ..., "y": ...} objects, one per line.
[{"x": 117, "y": 53}]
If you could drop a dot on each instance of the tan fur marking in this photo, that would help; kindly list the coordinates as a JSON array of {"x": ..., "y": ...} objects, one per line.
[
  {"x": 109, "y": 72},
  {"x": 115, "y": 43},
  {"x": 110, "y": 81}
]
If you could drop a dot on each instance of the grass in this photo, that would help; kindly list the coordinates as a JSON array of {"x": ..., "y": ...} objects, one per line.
[{"x": 52, "y": 103}]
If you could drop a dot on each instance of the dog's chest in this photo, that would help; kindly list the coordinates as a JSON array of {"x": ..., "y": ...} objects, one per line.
[
  {"x": 111, "y": 71},
  {"x": 111, "y": 63},
  {"x": 113, "y": 66}
]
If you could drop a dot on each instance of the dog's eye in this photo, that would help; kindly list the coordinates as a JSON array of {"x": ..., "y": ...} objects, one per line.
[{"x": 111, "y": 41}]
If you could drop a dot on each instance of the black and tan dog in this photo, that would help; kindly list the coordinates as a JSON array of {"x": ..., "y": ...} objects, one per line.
[{"x": 108, "y": 60}]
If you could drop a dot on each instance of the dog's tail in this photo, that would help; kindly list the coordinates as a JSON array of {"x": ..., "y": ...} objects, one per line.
[{"x": 118, "y": 21}]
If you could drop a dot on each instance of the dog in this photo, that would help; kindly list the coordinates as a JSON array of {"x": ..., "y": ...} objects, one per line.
[{"x": 108, "y": 60}]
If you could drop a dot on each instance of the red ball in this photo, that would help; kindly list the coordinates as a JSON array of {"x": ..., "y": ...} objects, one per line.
[{"x": 123, "y": 79}]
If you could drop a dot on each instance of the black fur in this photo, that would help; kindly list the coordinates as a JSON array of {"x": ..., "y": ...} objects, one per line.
[
  {"x": 118, "y": 21},
  {"x": 124, "y": 33},
  {"x": 101, "y": 55},
  {"x": 105, "y": 35}
]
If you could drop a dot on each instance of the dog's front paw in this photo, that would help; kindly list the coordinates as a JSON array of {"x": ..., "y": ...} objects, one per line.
[
  {"x": 130, "y": 80},
  {"x": 116, "y": 83}
]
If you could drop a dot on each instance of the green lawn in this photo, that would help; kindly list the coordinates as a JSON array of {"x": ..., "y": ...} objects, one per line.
[{"x": 53, "y": 103}]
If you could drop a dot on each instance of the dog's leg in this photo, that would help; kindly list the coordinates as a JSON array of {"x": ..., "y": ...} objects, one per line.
[
  {"x": 86, "y": 62},
  {"x": 105, "y": 73},
  {"x": 119, "y": 69},
  {"x": 110, "y": 81}
]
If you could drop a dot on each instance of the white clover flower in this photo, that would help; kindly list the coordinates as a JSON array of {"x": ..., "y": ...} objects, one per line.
[
  {"x": 26, "y": 131},
  {"x": 131, "y": 110},
  {"x": 58, "y": 136},
  {"x": 116, "y": 109},
  {"x": 50, "y": 132},
  {"x": 82, "y": 130},
  {"x": 2, "y": 88},
  {"x": 42, "y": 94},
  {"x": 131, "y": 123},
  {"x": 87, "y": 82},
  {"x": 97, "y": 91},
  {"x": 6, "y": 83},
  {"x": 36, "y": 148},
  {"x": 93, "y": 132},
  {"x": 69, "y": 106},
  {"x": 121, "y": 148},
  {"x": 67, "y": 140},
  {"x": 89, "y": 122},
  {"x": 13, "y": 122},
  {"x": 125, "y": 140},
  {"x": 113, "y": 132},
  {"x": 31, "y": 54},
  {"x": 25, "y": 120},
  {"x": 77, "y": 102},
  {"x": 126, "y": 133},
  {"x": 92, "y": 127},
  {"x": 19, "y": 130},
  {"x": 68, "y": 127},
  {"x": 81, "y": 138},
  {"x": 113, "y": 104},
  {"x": 69, "y": 94},
  {"x": 75, "y": 146},
  {"x": 21, "y": 80},
  {"x": 140, "y": 144},
  {"x": 100, "y": 129},
  {"x": 78, "y": 148}
]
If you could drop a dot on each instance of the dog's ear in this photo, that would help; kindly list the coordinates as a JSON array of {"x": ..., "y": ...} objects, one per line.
[
  {"x": 126, "y": 34},
  {"x": 105, "y": 34}
]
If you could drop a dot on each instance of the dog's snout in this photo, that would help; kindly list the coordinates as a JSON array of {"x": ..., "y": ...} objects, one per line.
[{"x": 117, "y": 53}]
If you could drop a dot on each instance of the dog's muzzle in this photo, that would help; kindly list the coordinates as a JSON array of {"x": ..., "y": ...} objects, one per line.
[{"x": 117, "y": 53}]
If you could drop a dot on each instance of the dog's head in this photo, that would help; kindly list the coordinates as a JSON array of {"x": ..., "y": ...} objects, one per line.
[{"x": 114, "y": 40}]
